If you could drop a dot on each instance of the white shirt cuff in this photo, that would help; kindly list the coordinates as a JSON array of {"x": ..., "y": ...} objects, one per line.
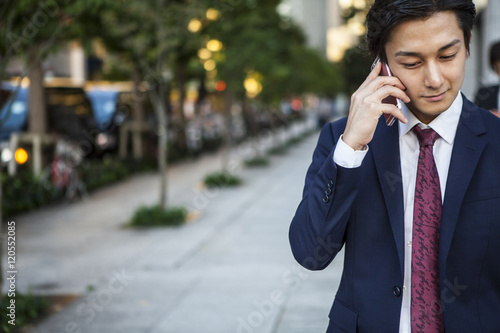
[{"x": 347, "y": 157}]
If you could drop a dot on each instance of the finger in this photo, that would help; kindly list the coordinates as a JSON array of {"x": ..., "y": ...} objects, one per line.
[
  {"x": 375, "y": 72},
  {"x": 387, "y": 91},
  {"x": 394, "y": 111},
  {"x": 382, "y": 81}
]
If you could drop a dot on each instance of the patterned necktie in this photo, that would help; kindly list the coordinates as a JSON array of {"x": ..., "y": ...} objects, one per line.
[{"x": 426, "y": 311}]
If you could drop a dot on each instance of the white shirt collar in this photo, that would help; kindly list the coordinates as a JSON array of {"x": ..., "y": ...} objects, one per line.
[{"x": 445, "y": 124}]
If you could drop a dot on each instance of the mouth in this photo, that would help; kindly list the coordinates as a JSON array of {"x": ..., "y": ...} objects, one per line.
[{"x": 435, "y": 98}]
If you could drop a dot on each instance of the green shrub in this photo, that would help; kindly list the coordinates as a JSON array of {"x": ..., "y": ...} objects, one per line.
[
  {"x": 29, "y": 308},
  {"x": 177, "y": 152},
  {"x": 99, "y": 173},
  {"x": 155, "y": 216},
  {"x": 25, "y": 192},
  {"x": 212, "y": 144},
  {"x": 294, "y": 141},
  {"x": 258, "y": 161},
  {"x": 279, "y": 150},
  {"x": 221, "y": 179}
]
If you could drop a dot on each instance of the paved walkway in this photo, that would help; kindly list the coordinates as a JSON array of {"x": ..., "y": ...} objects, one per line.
[{"x": 230, "y": 270}]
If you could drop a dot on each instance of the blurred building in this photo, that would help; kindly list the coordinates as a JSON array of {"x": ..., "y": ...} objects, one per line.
[
  {"x": 326, "y": 31},
  {"x": 485, "y": 32},
  {"x": 69, "y": 61},
  {"x": 489, "y": 20},
  {"x": 318, "y": 19}
]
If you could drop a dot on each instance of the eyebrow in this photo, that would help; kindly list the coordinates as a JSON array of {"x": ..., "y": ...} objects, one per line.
[{"x": 417, "y": 54}]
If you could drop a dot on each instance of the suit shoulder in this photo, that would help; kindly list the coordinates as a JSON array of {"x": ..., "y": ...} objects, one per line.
[
  {"x": 334, "y": 129},
  {"x": 490, "y": 119}
]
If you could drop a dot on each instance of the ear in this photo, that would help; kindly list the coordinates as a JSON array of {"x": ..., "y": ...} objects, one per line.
[{"x": 470, "y": 43}]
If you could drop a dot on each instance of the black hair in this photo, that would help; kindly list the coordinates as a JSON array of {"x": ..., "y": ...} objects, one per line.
[
  {"x": 384, "y": 15},
  {"x": 494, "y": 54}
]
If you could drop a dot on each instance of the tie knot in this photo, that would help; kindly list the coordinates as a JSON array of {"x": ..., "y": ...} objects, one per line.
[{"x": 426, "y": 137}]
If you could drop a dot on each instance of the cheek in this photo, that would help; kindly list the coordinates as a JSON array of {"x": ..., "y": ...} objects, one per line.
[
  {"x": 456, "y": 78},
  {"x": 412, "y": 87}
]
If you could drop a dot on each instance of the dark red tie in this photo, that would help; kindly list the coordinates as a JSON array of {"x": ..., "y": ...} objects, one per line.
[{"x": 426, "y": 311}]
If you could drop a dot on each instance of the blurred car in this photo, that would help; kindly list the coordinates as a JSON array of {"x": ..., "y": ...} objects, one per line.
[
  {"x": 69, "y": 114},
  {"x": 14, "y": 110},
  {"x": 113, "y": 104}
]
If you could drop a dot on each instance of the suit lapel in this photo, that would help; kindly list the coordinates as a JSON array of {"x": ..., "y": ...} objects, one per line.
[
  {"x": 467, "y": 149},
  {"x": 385, "y": 150}
]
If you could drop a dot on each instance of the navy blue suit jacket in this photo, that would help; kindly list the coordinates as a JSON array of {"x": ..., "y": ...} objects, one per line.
[{"x": 362, "y": 209}]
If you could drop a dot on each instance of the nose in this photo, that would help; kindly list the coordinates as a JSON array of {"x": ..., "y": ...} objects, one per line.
[{"x": 433, "y": 76}]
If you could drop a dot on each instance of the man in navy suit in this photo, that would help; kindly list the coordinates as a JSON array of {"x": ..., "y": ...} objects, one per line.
[
  {"x": 488, "y": 97},
  {"x": 361, "y": 187}
]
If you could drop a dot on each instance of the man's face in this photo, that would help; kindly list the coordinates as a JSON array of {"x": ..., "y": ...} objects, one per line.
[{"x": 428, "y": 56}]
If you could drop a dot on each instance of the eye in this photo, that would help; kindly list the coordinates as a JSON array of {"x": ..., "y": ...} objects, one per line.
[
  {"x": 449, "y": 57},
  {"x": 411, "y": 65}
]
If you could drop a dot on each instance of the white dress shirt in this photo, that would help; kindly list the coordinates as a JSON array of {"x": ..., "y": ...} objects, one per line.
[{"x": 446, "y": 126}]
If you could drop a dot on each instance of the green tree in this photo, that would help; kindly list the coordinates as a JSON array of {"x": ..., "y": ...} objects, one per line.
[
  {"x": 35, "y": 29},
  {"x": 152, "y": 37},
  {"x": 31, "y": 29},
  {"x": 257, "y": 39}
]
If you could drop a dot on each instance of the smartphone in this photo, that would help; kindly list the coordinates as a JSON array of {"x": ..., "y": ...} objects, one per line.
[{"x": 386, "y": 71}]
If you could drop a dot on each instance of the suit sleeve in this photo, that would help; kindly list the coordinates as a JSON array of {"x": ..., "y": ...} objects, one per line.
[{"x": 317, "y": 231}]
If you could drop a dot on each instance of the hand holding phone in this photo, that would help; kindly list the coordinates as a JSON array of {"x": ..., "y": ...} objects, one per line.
[
  {"x": 367, "y": 105},
  {"x": 386, "y": 71}
]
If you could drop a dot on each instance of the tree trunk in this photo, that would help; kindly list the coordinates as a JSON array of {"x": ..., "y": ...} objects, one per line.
[
  {"x": 159, "y": 101},
  {"x": 37, "y": 115},
  {"x": 137, "y": 115},
  {"x": 248, "y": 118},
  {"x": 226, "y": 151},
  {"x": 181, "y": 80}
]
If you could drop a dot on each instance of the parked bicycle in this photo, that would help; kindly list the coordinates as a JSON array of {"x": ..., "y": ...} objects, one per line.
[{"x": 63, "y": 173}]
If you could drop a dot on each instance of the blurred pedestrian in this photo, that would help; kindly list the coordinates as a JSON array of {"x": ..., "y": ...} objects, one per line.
[
  {"x": 489, "y": 97},
  {"x": 416, "y": 205}
]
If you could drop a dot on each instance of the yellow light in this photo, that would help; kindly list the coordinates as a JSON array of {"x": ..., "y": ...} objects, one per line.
[
  {"x": 192, "y": 95},
  {"x": 252, "y": 87},
  {"x": 209, "y": 65},
  {"x": 214, "y": 45},
  {"x": 194, "y": 25},
  {"x": 204, "y": 54},
  {"x": 344, "y": 4},
  {"x": 356, "y": 28},
  {"x": 360, "y": 4},
  {"x": 212, "y": 14},
  {"x": 174, "y": 95},
  {"x": 212, "y": 74},
  {"x": 21, "y": 156}
]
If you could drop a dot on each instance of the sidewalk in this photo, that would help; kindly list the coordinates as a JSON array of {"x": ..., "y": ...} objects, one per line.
[{"x": 230, "y": 270}]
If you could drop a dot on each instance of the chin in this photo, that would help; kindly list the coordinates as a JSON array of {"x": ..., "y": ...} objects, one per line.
[{"x": 427, "y": 113}]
